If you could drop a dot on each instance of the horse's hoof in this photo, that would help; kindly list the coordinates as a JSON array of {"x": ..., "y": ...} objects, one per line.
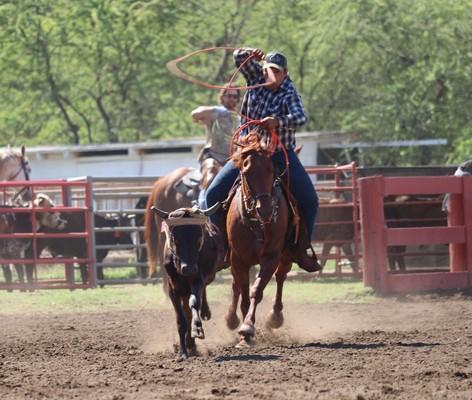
[
  {"x": 197, "y": 332},
  {"x": 244, "y": 342},
  {"x": 232, "y": 321},
  {"x": 275, "y": 320},
  {"x": 205, "y": 313},
  {"x": 247, "y": 329}
]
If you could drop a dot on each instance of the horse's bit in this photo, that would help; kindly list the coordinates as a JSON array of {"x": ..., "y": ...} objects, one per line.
[{"x": 249, "y": 202}]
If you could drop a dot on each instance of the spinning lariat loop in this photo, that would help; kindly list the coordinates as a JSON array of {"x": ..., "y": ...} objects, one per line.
[{"x": 173, "y": 67}]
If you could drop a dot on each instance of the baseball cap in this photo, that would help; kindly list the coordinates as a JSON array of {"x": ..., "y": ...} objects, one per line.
[{"x": 276, "y": 60}]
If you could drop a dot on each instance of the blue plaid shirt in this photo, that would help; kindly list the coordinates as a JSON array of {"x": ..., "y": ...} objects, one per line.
[{"x": 284, "y": 104}]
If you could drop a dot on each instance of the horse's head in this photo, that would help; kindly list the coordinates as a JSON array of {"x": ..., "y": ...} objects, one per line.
[
  {"x": 14, "y": 165},
  {"x": 257, "y": 176},
  {"x": 47, "y": 218},
  {"x": 185, "y": 232}
]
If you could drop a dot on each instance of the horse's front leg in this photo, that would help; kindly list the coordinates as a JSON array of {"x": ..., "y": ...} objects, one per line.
[
  {"x": 231, "y": 317},
  {"x": 240, "y": 272},
  {"x": 194, "y": 303},
  {"x": 276, "y": 317},
  {"x": 268, "y": 265}
]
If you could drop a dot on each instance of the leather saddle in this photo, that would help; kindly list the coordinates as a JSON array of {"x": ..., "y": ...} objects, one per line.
[{"x": 188, "y": 184}]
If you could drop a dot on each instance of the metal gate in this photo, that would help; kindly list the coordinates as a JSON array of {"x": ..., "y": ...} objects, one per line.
[{"x": 45, "y": 272}]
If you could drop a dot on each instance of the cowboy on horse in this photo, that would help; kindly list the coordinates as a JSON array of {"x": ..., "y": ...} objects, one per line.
[{"x": 277, "y": 105}]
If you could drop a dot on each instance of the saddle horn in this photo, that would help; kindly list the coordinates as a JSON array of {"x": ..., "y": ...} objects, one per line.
[
  {"x": 161, "y": 213},
  {"x": 213, "y": 209}
]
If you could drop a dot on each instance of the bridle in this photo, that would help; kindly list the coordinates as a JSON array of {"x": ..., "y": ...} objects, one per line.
[
  {"x": 24, "y": 167},
  {"x": 249, "y": 199},
  {"x": 24, "y": 164}
]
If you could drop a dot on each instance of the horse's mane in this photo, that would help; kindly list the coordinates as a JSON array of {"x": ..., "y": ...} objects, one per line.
[
  {"x": 9, "y": 153},
  {"x": 251, "y": 143}
]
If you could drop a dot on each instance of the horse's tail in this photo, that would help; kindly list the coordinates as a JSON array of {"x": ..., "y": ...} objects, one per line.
[{"x": 151, "y": 236}]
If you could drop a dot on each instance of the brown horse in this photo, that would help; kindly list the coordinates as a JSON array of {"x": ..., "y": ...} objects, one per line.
[
  {"x": 166, "y": 196},
  {"x": 257, "y": 224}
]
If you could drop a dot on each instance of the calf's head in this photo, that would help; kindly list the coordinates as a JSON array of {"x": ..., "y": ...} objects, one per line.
[{"x": 185, "y": 233}]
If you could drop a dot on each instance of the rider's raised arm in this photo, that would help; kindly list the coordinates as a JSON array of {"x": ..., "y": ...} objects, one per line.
[
  {"x": 251, "y": 70},
  {"x": 204, "y": 115}
]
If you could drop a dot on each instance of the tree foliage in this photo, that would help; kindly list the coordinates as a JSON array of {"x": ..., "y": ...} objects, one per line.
[{"x": 94, "y": 71}]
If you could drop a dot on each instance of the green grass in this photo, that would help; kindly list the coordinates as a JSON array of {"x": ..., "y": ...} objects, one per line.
[{"x": 138, "y": 297}]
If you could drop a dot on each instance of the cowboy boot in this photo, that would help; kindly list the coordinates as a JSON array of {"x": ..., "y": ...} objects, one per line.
[{"x": 300, "y": 254}]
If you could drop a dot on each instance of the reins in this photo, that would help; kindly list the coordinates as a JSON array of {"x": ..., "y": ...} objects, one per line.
[{"x": 274, "y": 142}]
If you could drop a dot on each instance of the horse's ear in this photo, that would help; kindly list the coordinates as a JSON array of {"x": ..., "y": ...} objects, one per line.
[
  {"x": 213, "y": 209},
  {"x": 162, "y": 214},
  {"x": 23, "y": 150}
]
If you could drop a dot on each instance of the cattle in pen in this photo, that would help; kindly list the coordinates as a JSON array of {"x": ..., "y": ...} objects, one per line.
[
  {"x": 77, "y": 247},
  {"x": 21, "y": 222}
]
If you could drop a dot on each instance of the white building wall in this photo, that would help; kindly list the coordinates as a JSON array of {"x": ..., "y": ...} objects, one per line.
[{"x": 58, "y": 162}]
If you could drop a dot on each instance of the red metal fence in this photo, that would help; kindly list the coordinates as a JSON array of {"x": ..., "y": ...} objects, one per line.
[
  {"x": 337, "y": 225},
  {"x": 376, "y": 236},
  {"x": 61, "y": 192}
]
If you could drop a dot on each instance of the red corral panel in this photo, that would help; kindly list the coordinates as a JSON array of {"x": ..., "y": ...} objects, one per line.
[
  {"x": 422, "y": 185},
  {"x": 376, "y": 236},
  {"x": 413, "y": 236},
  {"x": 336, "y": 232},
  {"x": 28, "y": 222}
]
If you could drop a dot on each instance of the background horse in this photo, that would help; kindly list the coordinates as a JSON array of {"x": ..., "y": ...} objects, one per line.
[
  {"x": 14, "y": 166},
  {"x": 257, "y": 225}
]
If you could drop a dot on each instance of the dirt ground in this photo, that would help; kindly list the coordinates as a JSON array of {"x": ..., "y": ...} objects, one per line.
[{"x": 417, "y": 347}]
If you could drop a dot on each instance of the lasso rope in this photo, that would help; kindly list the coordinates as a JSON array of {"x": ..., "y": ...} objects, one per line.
[{"x": 173, "y": 67}]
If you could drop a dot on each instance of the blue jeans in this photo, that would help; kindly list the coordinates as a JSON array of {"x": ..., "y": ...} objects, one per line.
[{"x": 300, "y": 185}]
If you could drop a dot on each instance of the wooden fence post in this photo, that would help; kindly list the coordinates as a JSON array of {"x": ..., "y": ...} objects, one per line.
[
  {"x": 455, "y": 217},
  {"x": 467, "y": 198},
  {"x": 374, "y": 248}
]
